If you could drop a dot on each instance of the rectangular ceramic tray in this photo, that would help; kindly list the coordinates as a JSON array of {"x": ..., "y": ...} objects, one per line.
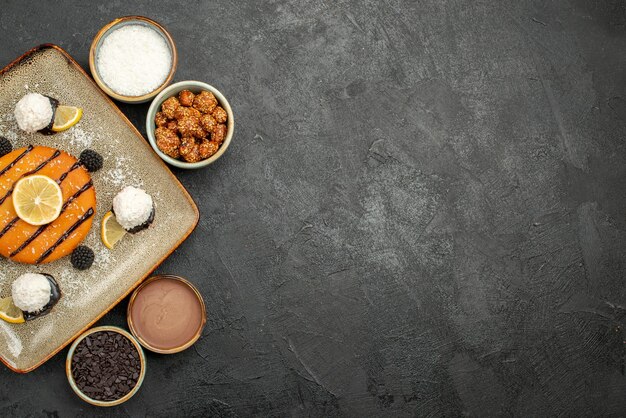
[{"x": 128, "y": 161}]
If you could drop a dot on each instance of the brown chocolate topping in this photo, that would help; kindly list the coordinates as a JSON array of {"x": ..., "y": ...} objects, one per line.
[
  {"x": 166, "y": 314},
  {"x": 19, "y": 157},
  {"x": 66, "y": 234}
]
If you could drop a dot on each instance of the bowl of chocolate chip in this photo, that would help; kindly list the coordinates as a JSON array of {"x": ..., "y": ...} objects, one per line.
[
  {"x": 190, "y": 124},
  {"x": 105, "y": 366}
]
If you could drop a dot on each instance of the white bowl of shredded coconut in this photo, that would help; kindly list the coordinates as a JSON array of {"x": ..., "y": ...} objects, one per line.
[{"x": 132, "y": 59}]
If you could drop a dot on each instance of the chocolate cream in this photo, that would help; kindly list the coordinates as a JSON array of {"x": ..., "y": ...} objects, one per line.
[{"x": 166, "y": 314}]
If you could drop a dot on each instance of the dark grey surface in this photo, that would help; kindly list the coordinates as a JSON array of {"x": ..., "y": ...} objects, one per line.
[{"x": 421, "y": 212}]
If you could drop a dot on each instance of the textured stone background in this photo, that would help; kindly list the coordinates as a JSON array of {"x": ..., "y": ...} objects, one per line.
[{"x": 421, "y": 212}]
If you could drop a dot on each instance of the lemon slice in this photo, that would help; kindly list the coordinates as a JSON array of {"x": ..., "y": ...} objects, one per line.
[
  {"x": 111, "y": 231},
  {"x": 37, "y": 199},
  {"x": 9, "y": 312},
  {"x": 65, "y": 117}
]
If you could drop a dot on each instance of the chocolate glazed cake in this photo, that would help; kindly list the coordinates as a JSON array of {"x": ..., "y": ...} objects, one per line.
[{"x": 25, "y": 243}]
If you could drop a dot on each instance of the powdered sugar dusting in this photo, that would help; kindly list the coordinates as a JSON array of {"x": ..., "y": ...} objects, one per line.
[
  {"x": 72, "y": 282},
  {"x": 71, "y": 286}
]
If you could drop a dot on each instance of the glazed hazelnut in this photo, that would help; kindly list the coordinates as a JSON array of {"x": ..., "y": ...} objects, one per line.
[
  {"x": 186, "y": 98},
  {"x": 172, "y": 125},
  {"x": 168, "y": 141},
  {"x": 184, "y": 112},
  {"x": 208, "y": 122},
  {"x": 205, "y": 102},
  {"x": 207, "y": 148},
  {"x": 160, "y": 119},
  {"x": 190, "y": 126},
  {"x": 169, "y": 106},
  {"x": 220, "y": 114},
  {"x": 189, "y": 150},
  {"x": 219, "y": 133}
]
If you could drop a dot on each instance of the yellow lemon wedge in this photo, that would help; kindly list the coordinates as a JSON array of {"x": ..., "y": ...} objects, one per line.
[
  {"x": 65, "y": 117},
  {"x": 111, "y": 231},
  {"x": 37, "y": 199},
  {"x": 9, "y": 312}
]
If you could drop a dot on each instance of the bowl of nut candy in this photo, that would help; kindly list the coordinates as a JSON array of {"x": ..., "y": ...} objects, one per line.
[{"x": 190, "y": 124}]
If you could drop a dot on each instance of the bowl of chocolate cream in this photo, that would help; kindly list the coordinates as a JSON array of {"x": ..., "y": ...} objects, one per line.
[{"x": 166, "y": 314}]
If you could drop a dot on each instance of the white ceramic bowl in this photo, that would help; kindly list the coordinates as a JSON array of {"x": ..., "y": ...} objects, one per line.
[{"x": 195, "y": 87}]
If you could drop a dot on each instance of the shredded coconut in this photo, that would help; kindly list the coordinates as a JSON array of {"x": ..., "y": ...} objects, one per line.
[
  {"x": 118, "y": 171},
  {"x": 33, "y": 112},
  {"x": 134, "y": 60},
  {"x": 73, "y": 286},
  {"x": 117, "y": 176},
  {"x": 78, "y": 137},
  {"x": 103, "y": 257}
]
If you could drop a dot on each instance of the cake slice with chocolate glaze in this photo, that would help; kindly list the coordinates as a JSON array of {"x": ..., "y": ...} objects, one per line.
[{"x": 37, "y": 244}]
